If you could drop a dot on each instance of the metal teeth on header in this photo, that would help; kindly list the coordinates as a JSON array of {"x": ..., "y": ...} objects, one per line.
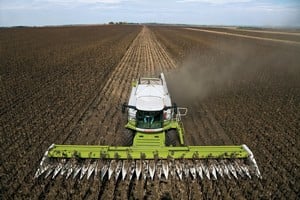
[{"x": 148, "y": 169}]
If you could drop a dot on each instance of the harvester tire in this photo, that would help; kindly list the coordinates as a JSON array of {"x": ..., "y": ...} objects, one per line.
[
  {"x": 127, "y": 138},
  {"x": 172, "y": 138}
]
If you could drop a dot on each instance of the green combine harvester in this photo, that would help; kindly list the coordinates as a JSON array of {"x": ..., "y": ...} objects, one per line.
[{"x": 153, "y": 146}]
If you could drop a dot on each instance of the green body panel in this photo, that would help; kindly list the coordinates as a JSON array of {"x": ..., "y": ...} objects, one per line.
[
  {"x": 172, "y": 124},
  {"x": 148, "y": 145},
  {"x": 146, "y": 152},
  {"x": 149, "y": 139}
]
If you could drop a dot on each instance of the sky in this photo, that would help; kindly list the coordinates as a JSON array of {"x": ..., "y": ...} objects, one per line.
[{"x": 271, "y": 13}]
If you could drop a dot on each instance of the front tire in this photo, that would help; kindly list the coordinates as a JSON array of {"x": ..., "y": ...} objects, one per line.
[
  {"x": 127, "y": 137},
  {"x": 172, "y": 138}
]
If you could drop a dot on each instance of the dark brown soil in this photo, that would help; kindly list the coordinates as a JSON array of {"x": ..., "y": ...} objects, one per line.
[{"x": 66, "y": 86}]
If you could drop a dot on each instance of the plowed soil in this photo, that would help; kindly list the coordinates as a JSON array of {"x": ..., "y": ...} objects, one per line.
[{"x": 66, "y": 86}]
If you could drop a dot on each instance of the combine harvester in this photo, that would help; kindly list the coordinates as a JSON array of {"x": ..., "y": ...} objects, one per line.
[{"x": 153, "y": 146}]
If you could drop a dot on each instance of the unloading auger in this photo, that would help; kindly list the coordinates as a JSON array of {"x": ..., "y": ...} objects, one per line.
[{"x": 153, "y": 147}]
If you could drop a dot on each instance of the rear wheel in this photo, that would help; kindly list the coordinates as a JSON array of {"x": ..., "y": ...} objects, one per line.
[
  {"x": 127, "y": 137},
  {"x": 172, "y": 138}
]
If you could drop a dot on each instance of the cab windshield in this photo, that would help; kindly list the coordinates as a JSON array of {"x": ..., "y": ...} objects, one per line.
[{"x": 149, "y": 119}]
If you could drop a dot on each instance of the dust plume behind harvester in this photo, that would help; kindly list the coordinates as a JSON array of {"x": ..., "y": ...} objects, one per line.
[{"x": 153, "y": 147}]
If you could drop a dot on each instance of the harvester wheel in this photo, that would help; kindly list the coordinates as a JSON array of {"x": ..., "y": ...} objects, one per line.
[
  {"x": 172, "y": 138},
  {"x": 127, "y": 138}
]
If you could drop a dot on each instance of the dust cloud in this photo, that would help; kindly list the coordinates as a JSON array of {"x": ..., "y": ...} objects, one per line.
[
  {"x": 225, "y": 68},
  {"x": 199, "y": 77}
]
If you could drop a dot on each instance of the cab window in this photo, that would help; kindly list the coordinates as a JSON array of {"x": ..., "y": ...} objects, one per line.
[{"x": 149, "y": 119}]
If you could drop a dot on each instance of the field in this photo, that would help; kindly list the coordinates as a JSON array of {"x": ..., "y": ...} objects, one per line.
[{"x": 65, "y": 85}]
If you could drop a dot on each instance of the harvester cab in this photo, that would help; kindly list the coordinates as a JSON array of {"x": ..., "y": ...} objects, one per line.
[
  {"x": 152, "y": 118},
  {"x": 153, "y": 146}
]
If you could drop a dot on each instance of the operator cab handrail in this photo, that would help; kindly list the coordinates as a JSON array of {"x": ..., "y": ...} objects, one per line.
[{"x": 180, "y": 113}]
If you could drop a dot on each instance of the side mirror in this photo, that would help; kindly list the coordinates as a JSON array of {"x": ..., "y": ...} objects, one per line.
[
  {"x": 175, "y": 108},
  {"x": 124, "y": 107}
]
